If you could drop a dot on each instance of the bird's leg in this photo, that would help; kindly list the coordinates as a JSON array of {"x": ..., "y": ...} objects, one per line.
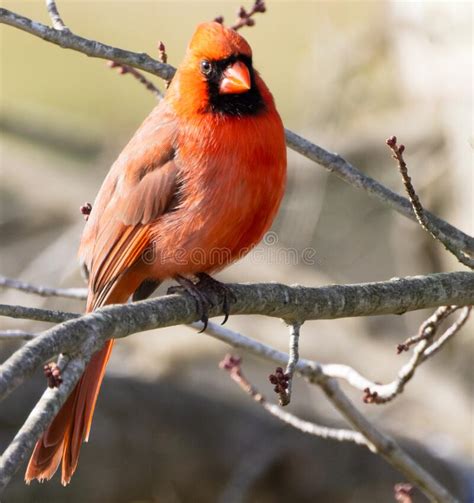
[
  {"x": 202, "y": 300},
  {"x": 208, "y": 284}
]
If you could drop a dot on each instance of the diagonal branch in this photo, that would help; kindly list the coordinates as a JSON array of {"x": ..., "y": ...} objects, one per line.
[
  {"x": 354, "y": 177},
  {"x": 333, "y": 162},
  {"x": 69, "y": 40}
]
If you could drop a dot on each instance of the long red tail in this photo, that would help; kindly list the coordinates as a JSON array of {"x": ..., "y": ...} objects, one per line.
[{"x": 64, "y": 436}]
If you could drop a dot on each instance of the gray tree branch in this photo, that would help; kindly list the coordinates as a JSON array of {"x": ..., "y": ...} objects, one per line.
[
  {"x": 33, "y": 313},
  {"x": 43, "y": 291},
  {"x": 293, "y": 304}
]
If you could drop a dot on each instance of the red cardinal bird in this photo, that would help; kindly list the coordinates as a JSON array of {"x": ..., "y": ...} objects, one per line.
[{"x": 196, "y": 188}]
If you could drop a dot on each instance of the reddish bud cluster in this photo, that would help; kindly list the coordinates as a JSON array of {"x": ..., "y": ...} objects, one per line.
[
  {"x": 230, "y": 362},
  {"x": 402, "y": 347},
  {"x": 403, "y": 492},
  {"x": 53, "y": 375},
  {"x": 244, "y": 18},
  {"x": 280, "y": 380},
  {"x": 371, "y": 396},
  {"x": 122, "y": 69},
  {"x": 86, "y": 209},
  {"x": 392, "y": 143},
  {"x": 162, "y": 56}
]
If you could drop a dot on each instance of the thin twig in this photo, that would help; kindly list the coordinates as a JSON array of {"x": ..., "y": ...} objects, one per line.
[
  {"x": 124, "y": 69},
  {"x": 448, "y": 334},
  {"x": 283, "y": 380},
  {"x": 245, "y": 18},
  {"x": 56, "y": 19},
  {"x": 44, "y": 291},
  {"x": 426, "y": 224},
  {"x": 294, "y": 357},
  {"x": 354, "y": 177},
  {"x": 428, "y": 328},
  {"x": 233, "y": 365},
  {"x": 383, "y": 393},
  {"x": 333, "y": 162}
]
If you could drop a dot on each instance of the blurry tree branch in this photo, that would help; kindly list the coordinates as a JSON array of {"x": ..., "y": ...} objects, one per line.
[
  {"x": 333, "y": 162},
  {"x": 23, "y": 286},
  {"x": 34, "y": 313},
  {"x": 10, "y": 335}
]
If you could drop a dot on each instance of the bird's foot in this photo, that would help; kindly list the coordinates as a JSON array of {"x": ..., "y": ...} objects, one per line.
[
  {"x": 204, "y": 292},
  {"x": 211, "y": 285},
  {"x": 203, "y": 302}
]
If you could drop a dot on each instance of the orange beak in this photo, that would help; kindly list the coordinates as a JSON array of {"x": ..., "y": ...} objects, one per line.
[{"x": 236, "y": 79}]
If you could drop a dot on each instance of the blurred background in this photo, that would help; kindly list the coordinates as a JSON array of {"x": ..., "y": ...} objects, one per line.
[{"x": 170, "y": 426}]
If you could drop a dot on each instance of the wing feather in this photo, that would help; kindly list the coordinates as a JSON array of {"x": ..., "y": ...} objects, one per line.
[{"x": 141, "y": 186}]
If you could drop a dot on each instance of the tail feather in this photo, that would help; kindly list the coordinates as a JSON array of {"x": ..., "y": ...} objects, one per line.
[
  {"x": 62, "y": 441},
  {"x": 63, "y": 438}
]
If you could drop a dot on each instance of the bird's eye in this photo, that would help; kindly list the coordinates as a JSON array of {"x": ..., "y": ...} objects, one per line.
[{"x": 206, "y": 67}]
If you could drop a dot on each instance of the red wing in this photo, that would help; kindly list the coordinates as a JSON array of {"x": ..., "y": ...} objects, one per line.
[{"x": 140, "y": 186}]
